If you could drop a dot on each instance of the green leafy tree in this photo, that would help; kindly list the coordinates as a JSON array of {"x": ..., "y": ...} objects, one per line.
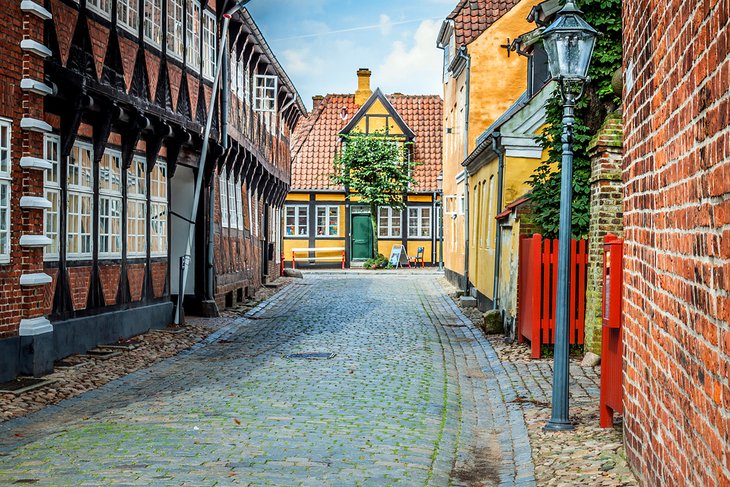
[
  {"x": 599, "y": 100},
  {"x": 378, "y": 170}
]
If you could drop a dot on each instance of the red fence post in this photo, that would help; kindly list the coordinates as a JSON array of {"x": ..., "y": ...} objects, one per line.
[{"x": 611, "y": 341}]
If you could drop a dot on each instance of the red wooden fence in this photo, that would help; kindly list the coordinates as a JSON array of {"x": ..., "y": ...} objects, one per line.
[
  {"x": 537, "y": 287},
  {"x": 611, "y": 338}
]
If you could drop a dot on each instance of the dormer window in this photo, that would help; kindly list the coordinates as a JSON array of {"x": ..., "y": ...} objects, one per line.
[
  {"x": 449, "y": 53},
  {"x": 265, "y": 93}
]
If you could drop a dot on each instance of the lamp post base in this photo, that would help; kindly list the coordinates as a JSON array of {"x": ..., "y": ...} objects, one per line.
[{"x": 554, "y": 425}]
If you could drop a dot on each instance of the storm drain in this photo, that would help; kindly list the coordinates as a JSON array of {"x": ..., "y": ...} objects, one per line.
[{"x": 312, "y": 355}]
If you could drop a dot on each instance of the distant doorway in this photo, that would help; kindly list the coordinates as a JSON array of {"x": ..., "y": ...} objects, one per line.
[{"x": 362, "y": 237}]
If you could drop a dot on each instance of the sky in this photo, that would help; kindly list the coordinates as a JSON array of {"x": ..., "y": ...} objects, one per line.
[{"x": 322, "y": 43}]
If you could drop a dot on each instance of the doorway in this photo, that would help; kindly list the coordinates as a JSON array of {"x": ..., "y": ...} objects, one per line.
[{"x": 362, "y": 237}]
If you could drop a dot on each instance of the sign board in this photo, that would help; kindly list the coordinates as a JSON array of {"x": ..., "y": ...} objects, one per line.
[{"x": 398, "y": 256}]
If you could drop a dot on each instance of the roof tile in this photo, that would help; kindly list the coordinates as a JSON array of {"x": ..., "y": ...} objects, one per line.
[{"x": 471, "y": 18}]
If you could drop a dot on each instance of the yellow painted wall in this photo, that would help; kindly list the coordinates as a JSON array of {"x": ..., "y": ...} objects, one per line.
[
  {"x": 420, "y": 198},
  {"x": 482, "y": 227},
  {"x": 297, "y": 197},
  {"x": 427, "y": 249},
  {"x": 497, "y": 80},
  {"x": 291, "y": 243},
  {"x": 378, "y": 124},
  {"x": 330, "y": 197}
]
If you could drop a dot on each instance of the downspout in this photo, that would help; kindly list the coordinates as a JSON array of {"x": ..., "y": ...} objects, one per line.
[
  {"x": 466, "y": 170},
  {"x": 498, "y": 246}
]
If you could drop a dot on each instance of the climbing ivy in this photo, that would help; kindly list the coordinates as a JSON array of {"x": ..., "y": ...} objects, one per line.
[{"x": 598, "y": 100}]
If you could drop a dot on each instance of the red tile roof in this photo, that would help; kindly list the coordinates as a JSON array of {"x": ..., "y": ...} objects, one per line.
[
  {"x": 316, "y": 139},
  {"x": 472, "y": 17}
]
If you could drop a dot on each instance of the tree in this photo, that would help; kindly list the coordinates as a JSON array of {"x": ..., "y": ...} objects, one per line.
[
  {"x": 376, "y": 168},
  {"x": 598, "y": 101}
]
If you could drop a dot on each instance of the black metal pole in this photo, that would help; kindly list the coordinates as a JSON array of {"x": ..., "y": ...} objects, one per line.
[{"x": 560, "y": 418}]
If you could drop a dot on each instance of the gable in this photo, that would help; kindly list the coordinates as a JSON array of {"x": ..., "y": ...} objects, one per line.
[{"x": 378, "y": 114}]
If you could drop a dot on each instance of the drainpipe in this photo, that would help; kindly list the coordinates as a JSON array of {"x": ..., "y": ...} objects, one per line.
[
  {"x": 466, "y": 170},
  {"x": 498, "y": 246}
]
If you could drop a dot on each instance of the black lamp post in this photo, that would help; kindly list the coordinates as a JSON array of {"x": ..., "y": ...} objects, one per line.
[{"x": 569, "y": 43}]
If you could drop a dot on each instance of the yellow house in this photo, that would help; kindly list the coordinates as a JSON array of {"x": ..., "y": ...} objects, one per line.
[
  {"x": 322, "y": 215},
  {"x": 485, "y": 82}
]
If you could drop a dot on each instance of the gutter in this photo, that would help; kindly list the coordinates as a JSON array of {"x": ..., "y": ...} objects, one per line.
[
  {"x": 498, "y": 246},
  {"x": 467, "y": 58}
]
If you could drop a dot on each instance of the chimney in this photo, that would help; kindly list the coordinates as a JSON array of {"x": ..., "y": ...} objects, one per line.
[
  {"x": 316, "y": 102},
  {"x": 363, "y": 86}
]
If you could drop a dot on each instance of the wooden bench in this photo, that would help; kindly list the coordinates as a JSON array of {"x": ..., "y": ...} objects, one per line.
[{"x": 332, "y": 258}]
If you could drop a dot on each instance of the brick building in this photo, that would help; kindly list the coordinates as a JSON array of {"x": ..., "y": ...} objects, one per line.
[
  {"x": 101, "y": 124},
  {"x": 677, "y": 231}
]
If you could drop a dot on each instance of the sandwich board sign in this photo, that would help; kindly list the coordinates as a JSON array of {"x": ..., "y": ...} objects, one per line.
[{"x": 398, "y": 256}]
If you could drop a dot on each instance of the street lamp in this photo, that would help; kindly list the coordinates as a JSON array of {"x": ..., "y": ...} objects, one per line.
[{"x": 569, "y": 43}]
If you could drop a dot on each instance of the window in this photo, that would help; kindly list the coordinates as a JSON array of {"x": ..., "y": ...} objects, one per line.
[
  {"x": 297, "y": 221},
  {"x": 255, "y": 228},
  {"x": 233, "y": 73},
  {"x": 491, "y": 214},
  {"x": 158, "y": 210},
  {"x": 110, "y": 204},
  {"x": 52, "y": 191},
  {"x": 389, "y": 222},
  {"x": 265, "y": 94},
  {"x": 136, "y": 208},
  {"x": 419, "y": 222},
  {"x": 153, "y": 21},
  {"x": 103, "y": 7},
  {"x": 192, "y": 34},
  {"x": 232, "y": 212},
  {"x": 328, "y": 221},
  {"x": 241, "y": 81},
  {"x": 209, "y": 32},
  {"x": 223, "y": 188},
  {"x": 239, "y": 206},
  {"x": 5, "y": 142},
  {"x": 80, "y": 182},
  {"x": 128, "y": 14},
  {"x": 175, "y": 28}
]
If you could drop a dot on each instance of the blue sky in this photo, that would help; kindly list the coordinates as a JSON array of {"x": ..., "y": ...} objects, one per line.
[{"x": 322, "y": 43}]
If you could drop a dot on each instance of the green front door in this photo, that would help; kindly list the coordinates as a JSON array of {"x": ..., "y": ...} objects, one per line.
[{"x": 362, "y": 237}]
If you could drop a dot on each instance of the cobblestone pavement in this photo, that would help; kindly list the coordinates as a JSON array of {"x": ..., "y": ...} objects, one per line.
[{"x": 413, "y": 396}]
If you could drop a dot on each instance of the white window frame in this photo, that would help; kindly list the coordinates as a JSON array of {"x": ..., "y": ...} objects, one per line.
[
  {"x": 6, "y": 161},
  {"x": 78, "y": 193},
  {"x": 159, "y": 213},
  {"x": 110, "y": 197},
  {"x": 128, "y": 15},
  {"x": 52, "y": 192},
  {"x": 209, "y": 44},
  {"x": 223, "y": 190},
  {"x": 239, "y": 205},
  {"x": 152, "y": 22},
  {"x": 390, "y": 229},
  {"x": 255, "y": 229},
  {"x": 298, "y": 211},
  {"x": 135, "y": 200},
  {"x": 265, "y": 95},
  {"x": 232, "y": 208},
  {"x": 193, "y": 13},
  {"x": 327, "y": 222},
  {"x": 421, "y": 230},
  {"x": 102, "y": 7},
  {"x": 450, "y": 205},
  {"x": 175, "y": 33}
]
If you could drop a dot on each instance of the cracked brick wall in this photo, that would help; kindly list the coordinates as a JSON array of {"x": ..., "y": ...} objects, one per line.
[{"x": 677, "y": 231}]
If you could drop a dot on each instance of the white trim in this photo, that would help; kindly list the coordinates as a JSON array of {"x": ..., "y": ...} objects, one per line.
[
  {"x": 100, "y": 11},
  {"x": 30, "y": 7},
  {"x": 326, "y": 209},
  {"x": 390, "y": 215},
  {"x": 38, "y": 163},
  {"x": 156, "y": 42},
  {"x": 34, "y": 203},
  {"x": 207, "y": 57},
  {"x": 35, "y": 125},
  {"x": 38, "y": 279},
  {"x": 34, "y": 241},
  {"x": 34, "y": 47},
  {"x": 35, "y": 326},
  {"x": 296, "y": 227},
  {"x": 36, "y": 87},
  {"x": 125, "y": 4}
]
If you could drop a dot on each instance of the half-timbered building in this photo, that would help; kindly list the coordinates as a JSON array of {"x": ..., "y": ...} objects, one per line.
[{"x": 102, "y": 116}]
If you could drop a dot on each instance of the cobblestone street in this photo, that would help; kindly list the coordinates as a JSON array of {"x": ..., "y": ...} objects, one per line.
[{"x": 413, "y": 396}]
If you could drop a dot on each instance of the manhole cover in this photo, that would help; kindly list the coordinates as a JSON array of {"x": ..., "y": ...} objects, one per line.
[{"x": 313, "y": 355}]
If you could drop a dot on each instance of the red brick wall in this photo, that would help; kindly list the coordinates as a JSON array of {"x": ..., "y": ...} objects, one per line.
[{"x": 677, "y": 229}]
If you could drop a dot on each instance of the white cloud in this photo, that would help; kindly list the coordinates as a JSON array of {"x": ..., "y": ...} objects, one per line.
[
  {"x": 301, "y": 62},
  {"x": 413, "y": 66},
  {"x": 386, "y": 26}
]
